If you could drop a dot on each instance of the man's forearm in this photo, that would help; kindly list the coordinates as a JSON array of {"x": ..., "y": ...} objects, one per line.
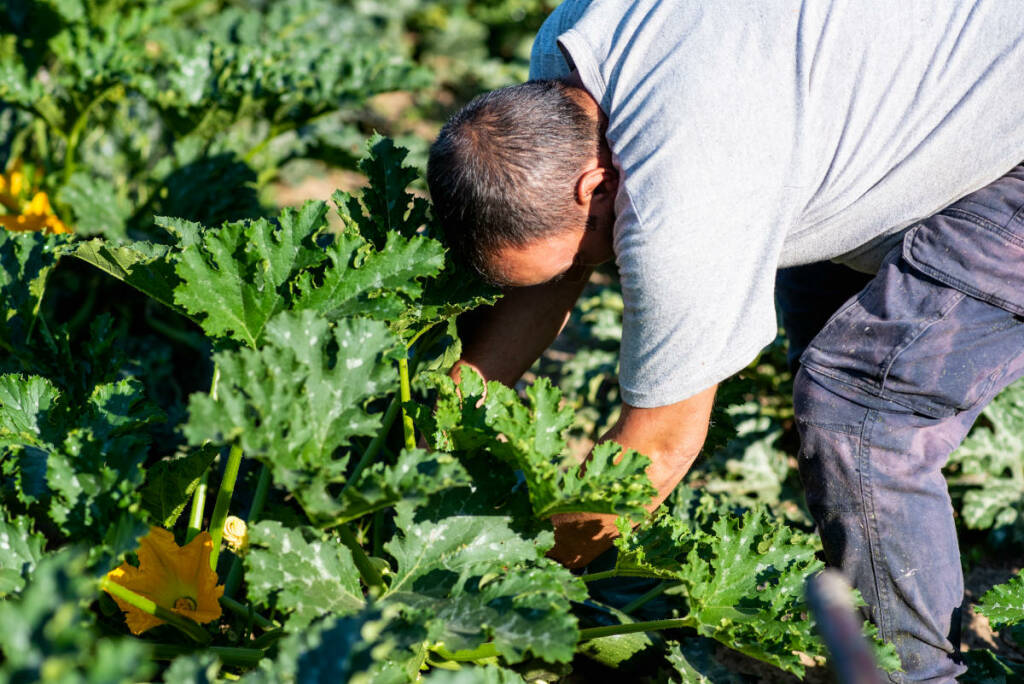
[
  {"x": 671, "y": 437},
  {"x": 503, "y": 341}
]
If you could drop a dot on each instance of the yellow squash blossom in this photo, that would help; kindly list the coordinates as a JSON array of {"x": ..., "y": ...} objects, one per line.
[
  {"x": 174, "y": 577},
  {"x": 34, "y": 216}
]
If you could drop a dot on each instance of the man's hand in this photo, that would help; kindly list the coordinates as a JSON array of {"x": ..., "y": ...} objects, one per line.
[{"x": 671, "y": 436}]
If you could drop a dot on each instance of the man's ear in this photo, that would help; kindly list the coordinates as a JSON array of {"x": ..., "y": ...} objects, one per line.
[{"x": 595, "y": 182}]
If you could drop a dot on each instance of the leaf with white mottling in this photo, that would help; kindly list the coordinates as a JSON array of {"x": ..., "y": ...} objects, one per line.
[{"x": 309, "y": 577}]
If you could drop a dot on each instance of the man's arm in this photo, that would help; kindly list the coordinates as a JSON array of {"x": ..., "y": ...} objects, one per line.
[
  {"x": 503, "y": 341},
  {"x": 671, "y": 436}
]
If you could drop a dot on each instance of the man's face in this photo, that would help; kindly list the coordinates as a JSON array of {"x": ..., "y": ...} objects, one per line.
[{"x": 568, "y": 254}]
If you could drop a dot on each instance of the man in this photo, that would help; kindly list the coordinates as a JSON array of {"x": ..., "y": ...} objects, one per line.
[{"x": 704, "y": 145}]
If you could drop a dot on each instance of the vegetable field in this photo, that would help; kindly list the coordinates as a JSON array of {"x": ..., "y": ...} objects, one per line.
[{"x": 229, "y": 446}]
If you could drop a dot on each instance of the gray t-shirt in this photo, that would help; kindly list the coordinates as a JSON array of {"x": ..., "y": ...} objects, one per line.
[{"x": 757, "y": 134}]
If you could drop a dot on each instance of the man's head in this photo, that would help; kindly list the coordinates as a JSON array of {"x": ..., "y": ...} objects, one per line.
[{"x": 523, "y": 183}]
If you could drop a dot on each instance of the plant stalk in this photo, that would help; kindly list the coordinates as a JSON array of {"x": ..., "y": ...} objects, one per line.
[
  {"x": 375, "y": 445},
  {"x": 405, "y": 392},
  {"x": 633, "y": 627},
  {"x": 649, "y": 596},
  {"x": 195, "y": 520},
  {"x": 367, "y": 570},
  {"x": 259, "y": 498},
  {"x": 243, "y": 610},
  {"x": 596, "y": 576},
  {"x": 185, "y": 625},
  {"x": 229, "y": 655},
  {"x": 220, "y": 508}
]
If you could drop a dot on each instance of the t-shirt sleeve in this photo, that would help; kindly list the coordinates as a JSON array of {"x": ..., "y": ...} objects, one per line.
[{"x": 547, "y": 61}]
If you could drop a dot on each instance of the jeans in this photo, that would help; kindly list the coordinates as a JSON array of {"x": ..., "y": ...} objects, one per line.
[{"x": 887, "y": 389}]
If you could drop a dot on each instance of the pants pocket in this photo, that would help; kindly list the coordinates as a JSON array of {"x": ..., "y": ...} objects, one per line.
[{"x": 938, "y": 324}]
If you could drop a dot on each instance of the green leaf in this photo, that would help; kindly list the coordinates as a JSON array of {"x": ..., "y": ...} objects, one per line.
[
  {"x": 529, "y": 437},
  {"x": 144, "y": 266},
  {"x": 1003, "y": 604},
  {"x": 361, "y": 281},
  {"x": 20, "y": 551},
  {"x": 693, "y": 662},
  {"x": 235, "y": 277},
  {"x": 749, "y": 469},
  {"x": 413, "y": 478},
  {"x": 389, "y": 208},
  {"x": 472, "y": 580},
  {"x": 309, "y": 578},
  {"x": 46, "y": 631},
  {"x": 985, "y": 667},
  {"x": 197, "y": 668},
  {"x": 487, "y": 674},
  {"x": 297, "y": 400},
  {"x": 170, "y": 483},
  {"x": 741, "y": 576}
]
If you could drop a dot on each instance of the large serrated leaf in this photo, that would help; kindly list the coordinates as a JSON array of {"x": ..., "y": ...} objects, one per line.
[
  {"x": 309, "y": 578},
  {"x": 389, "y": 207},
  {"x": 294, "y": 402},
  {"x": 991, "y": 461},
  {"x": 234, "y": 279},
  {"x": 529, "y": 438},
  {"x": 144, "y": 266},
  {"x": 359, "y": 649},
  {"x": 26, "y": 259},
  {"x": 473, "y": 580},
  {"x": 96, "y": 206},
  {"x": 741, "y": 577},
  {"x": 361, "y": 281},
  {"x": 48, "y": 636}
]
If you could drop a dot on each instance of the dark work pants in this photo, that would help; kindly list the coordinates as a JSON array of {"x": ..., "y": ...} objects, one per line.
[{"x": 887, "y": 389}]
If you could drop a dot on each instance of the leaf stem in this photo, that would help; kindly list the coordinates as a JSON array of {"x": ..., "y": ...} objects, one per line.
[
  {"x": 224, "y": 494},
  {"x": 367, "y": 570},
  {"x": 405, "y": 392},
  {"x": 649, "y": 596},
  {"x": 195, "y": 520},
  {"x": 229, "y": 655},
  {"x": 378, "y": 441},
  {"x": 258, "y": 499},
  {"x": 634, "y": 627},
  {"x": 596, "y": 576},
  {"x": 488, "y": 650},
  {"x": 243, "y": 610},
  {"x": 185, "y": 625}
]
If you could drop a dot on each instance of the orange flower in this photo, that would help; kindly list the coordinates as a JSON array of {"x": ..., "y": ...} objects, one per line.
[
  {"x": 34, "y": 216},
  {"x": 174, "y": 577}
]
